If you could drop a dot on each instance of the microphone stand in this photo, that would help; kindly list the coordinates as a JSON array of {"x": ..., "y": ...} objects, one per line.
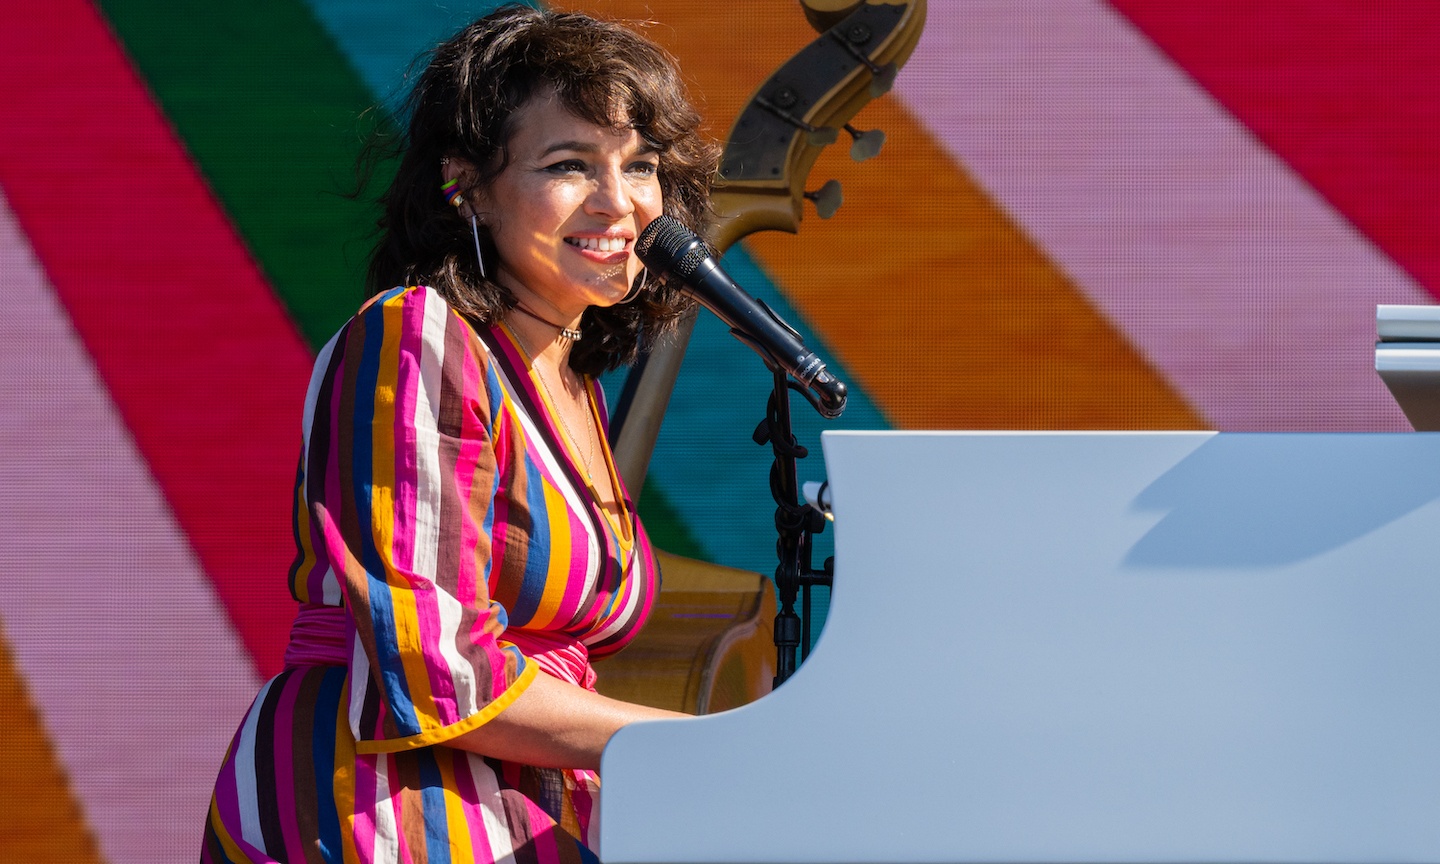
[{"x": 796, "y": 523}]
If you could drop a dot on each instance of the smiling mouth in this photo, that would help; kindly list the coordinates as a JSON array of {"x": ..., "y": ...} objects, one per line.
[{"x": 605, "y": 245}]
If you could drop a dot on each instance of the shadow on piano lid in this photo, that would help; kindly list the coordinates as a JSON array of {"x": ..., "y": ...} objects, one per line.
[{"x": 1261, "y": 499}]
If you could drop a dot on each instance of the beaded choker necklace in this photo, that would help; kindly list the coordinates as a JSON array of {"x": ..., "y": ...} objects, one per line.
[{"x": 568, "y": 333}]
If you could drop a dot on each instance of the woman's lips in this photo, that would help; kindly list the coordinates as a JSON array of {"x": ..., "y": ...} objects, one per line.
[{"x": 604, "y": 250}]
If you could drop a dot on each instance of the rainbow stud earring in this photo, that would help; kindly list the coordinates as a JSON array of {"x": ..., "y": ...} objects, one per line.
[{"x": 451, "y": 189}]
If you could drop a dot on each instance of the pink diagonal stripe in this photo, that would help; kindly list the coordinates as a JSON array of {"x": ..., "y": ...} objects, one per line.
[
  {"x": 130, "y": 659},
  {"x": 1346, "y": 91},
  {"x": 202, "y": 362},
  {"x": 1229, "y": 274}
]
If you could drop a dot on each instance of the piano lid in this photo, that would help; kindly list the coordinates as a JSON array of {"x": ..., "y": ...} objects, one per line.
[{"x": 1124, "y": 647}]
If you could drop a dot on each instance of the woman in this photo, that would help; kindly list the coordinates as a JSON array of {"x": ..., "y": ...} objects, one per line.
[{"x": 464, "y": 543}]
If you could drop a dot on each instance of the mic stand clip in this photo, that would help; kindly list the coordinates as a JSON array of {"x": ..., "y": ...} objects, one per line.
[{"x": 796, "y": 523}]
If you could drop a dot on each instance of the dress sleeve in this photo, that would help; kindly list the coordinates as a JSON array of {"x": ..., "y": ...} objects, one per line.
[{"x": 394, "y": 511}]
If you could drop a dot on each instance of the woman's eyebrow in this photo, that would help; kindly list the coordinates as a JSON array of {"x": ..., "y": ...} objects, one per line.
[
  {"x": 588, "y": 147},
  {"x": 576, "y": 146}
]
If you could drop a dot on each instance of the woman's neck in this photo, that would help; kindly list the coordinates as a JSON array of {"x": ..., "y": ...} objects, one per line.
[
  {"x": 541, "y": 340},
  {"x": 547, "y": 332}
]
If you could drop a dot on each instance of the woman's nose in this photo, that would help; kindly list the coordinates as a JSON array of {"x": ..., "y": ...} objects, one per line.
[{"x": 611, "y": 195}]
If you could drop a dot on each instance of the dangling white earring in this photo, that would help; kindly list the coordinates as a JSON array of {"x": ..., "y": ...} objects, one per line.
[
  {"x": 453, "y": 196},
  {"x": 637, "y": 288},
  {"x": 479, "y": 259}
]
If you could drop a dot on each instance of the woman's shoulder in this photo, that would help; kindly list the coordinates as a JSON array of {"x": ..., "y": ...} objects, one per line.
[
  {"x": 407, "y": 340},
  {"x": 413, "y": 320},
  {"x": 414, "y": 297},
  {"x": 414, "y": 309}
]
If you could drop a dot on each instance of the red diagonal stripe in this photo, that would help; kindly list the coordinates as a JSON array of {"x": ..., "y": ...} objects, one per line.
[
  {"x": 1346, "y": 91},
  {"x": 203, "y": 363}
]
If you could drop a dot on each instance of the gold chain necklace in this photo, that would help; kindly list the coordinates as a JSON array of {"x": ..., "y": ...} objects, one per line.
[{"x": 589, "y": 453}]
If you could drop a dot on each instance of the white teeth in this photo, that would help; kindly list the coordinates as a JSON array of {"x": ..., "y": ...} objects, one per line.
[{"x": 598, "y": 244}]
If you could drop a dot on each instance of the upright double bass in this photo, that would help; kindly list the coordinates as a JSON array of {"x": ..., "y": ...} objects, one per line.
[{"x": 707, "y": 646}]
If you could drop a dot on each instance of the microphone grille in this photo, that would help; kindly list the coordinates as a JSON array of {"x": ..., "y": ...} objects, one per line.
[
  {"x": 666, "y": 244},
  {"x": 686, "y": 267}
]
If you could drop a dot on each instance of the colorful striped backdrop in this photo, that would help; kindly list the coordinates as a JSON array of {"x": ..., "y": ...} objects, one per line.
[{"x": 1132, "y": 214}]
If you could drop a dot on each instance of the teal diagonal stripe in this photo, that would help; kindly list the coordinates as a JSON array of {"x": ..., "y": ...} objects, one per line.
[{"x": 382, "y": 39}]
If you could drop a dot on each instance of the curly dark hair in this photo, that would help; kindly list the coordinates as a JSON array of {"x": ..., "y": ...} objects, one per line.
[{"x": 464, "y": 104}]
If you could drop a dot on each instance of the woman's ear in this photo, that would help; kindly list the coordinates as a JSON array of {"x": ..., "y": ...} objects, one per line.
[
  {"x": 472, "y": 200},
  {"x": 456, "y": 168}
]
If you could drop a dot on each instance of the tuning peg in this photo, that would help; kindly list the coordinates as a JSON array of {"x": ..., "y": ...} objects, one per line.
[
  {"x": 816, "y": 136},
  {"x": 827, "y": 199},
  {"x": 882, "y": 77},
  {"x": 867, "y": 144},
  {"x": 822, "y": 136},
  {"x": 883, "y": 80}
]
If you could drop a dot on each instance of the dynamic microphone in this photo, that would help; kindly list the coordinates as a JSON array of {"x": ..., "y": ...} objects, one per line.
[{"x": 667, "y": 246}]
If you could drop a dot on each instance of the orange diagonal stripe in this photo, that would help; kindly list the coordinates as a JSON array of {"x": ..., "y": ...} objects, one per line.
[
  {"x": 932, "y": 297},
  {"x": 44, "y": 823}
]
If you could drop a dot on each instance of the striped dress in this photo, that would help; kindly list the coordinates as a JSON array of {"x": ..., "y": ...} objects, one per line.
[{"x": 448, "y": 547}]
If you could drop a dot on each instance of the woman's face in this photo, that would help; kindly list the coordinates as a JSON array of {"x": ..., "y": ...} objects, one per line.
[{"x": 565, "y": 212}]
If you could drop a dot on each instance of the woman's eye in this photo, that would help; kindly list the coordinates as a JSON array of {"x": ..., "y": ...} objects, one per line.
[
  {"x": 567, "y": 166},
  {"x": 646, "y": 169}
]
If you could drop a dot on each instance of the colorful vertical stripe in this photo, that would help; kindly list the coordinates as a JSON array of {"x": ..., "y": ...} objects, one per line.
[{"x": 409, "y": 457}]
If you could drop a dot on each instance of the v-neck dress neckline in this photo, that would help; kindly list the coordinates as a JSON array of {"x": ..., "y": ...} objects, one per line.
[{"x": 621, "y": 523}]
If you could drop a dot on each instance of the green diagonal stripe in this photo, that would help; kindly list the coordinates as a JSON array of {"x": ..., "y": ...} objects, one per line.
[{"x": 268, "y": 108}]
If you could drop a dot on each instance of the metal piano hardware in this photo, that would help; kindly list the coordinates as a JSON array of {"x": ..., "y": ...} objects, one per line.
[{"x": 1407, "y": 358}]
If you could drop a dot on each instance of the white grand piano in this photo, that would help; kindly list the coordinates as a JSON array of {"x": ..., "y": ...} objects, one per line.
[{"x": 1183, "y": 647}]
